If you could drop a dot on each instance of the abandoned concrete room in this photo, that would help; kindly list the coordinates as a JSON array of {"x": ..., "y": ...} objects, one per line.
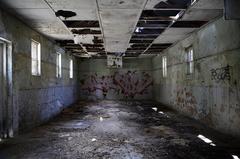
[{"x": 119, "y": 79}]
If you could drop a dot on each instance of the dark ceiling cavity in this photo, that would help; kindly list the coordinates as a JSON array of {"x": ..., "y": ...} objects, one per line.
[
  {"x": 173, "y": 4},
  {"x": 121, "y": 2},
  {"x": 81, "y": 23},
  {"x": 143, "y": 36},
  {"x": 96, "y": 40},
  {"x": 161, "y": 46},
  {"x": 149, "y": 31},
  {"x": 141, "y": 41},
  {"x": 188, "y": 24},
  {"x": 65, "y": 13},
  {"x": 153, "y": 24},
  {"x": 85, "y": 31},
  {"x": 158, "y": 14}
]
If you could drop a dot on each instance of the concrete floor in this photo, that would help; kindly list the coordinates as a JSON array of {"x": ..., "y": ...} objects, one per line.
[{"x": 127, "y": 130}]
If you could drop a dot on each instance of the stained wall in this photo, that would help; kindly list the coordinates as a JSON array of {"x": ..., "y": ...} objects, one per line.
[
  {"x": 212, "y": 93},
  {"x": 36, "y": 98},
  {"x": 132, "y": 82}
]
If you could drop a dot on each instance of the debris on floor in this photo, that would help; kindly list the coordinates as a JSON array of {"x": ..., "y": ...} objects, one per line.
[{"x": 120, "y": 130}]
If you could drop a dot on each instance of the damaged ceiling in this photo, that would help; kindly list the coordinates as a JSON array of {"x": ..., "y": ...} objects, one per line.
[{"x": 95, "y": 28}]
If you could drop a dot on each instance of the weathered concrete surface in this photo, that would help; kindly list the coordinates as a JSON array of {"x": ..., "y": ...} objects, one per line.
[
  {"x": 36, "y": 98},
  {"x": 109, "y": 129},
  {"x": 211, "y": 94},
  {"x": 133, "y": 81}
]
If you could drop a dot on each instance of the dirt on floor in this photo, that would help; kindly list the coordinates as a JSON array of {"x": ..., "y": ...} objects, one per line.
[{"x": 120, "y": 130}]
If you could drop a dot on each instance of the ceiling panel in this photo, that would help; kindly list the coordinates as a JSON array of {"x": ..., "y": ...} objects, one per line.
[
  {"x": 24, "y": 3},
  {"x": 83, "y": 14},
  {"x": 121, "y": 4},
  {"x": 168, "y": 39},
  {"x": 72, "y": 4},
  {"x": 36, "y": 14},
  {"x": 178, "y": 31},
  {"x": 202, "y": 14},
  {"x": 173, "y": 4},
  {"x": 118, "y": 25},
  {"x": 209, "y": 4}
]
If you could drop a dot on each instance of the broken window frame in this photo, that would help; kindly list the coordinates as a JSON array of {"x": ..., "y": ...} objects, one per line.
[
  {"x": 71, "y": 68},
  {"x": 189, "y": 60},
  {"x": 35, "y": 58},
  {"x": 164, "y": 66},
  {"x": 59, "y": 65}
]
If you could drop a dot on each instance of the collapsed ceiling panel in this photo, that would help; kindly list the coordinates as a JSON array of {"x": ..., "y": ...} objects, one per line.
[
  {"x": 96, "y": 27},
  {"x": 81, "y": 23}
]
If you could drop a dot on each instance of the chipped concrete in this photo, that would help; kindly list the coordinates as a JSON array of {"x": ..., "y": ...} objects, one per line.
[{"x": 127, "y": 130}]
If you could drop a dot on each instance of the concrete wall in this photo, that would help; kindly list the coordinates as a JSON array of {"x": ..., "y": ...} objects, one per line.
[
  {"x": 36, "y": 98},
  {"x": 133, "y": 81},
  {"x": 212, "y": 93}
]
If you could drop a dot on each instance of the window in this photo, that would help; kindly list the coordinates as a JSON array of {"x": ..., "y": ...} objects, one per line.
[
  {"x": 164, "y": 66},
  {"x": 36, "y": 58},
  {"x": 71, "y": 68},
  {"x": 59, "y": 65},
  {"x": 189, "y": 60}
]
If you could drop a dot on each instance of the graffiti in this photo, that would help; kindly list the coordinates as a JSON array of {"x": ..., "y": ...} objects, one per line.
[
  {"x": 129, "y": 84},
  {"x": 186, "y": 101},
  {"x": 221, "y": 74},
  {"x": 93, "y": 83},
  {"x": 132, "y": 83}
]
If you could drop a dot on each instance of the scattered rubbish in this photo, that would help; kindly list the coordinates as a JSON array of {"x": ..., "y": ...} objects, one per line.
[
  {"x": 93, "y": 139},
  {"x": 206, "y": 140},
  {"x": 155, "y": 109},
  {"x": 235, "y": 157},
  {"x": 212, "y": 144}
]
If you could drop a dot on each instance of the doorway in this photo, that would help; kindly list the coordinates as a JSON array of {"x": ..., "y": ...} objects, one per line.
[{"x": 6, "y": 110}]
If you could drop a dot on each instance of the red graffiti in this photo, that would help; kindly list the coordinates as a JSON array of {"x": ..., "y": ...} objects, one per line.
[{"x": 129, "y": 84}]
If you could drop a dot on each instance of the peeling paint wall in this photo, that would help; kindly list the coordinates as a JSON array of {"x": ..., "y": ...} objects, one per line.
[
  {"x": 36, "y": 98},
  {"x": 212, "y": 93},
  {"x": 133, "y": 81}
]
